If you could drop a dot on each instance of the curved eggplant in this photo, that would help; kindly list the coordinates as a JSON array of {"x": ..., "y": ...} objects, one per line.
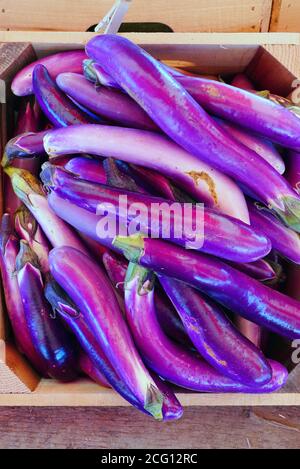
[
  {"x": 59, "y": 109},
  {"x": 231, "y": 288},
  {"x": 171, "y": 361}
]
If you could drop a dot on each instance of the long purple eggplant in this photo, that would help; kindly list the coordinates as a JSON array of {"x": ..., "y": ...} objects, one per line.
[
  {"x": 24, "y": 146},
  {"x": 90, "y": 289},
  {"x": 9, "y": 248},
  {"x": 87, "y": 168},
  {"x": 95, "y": 364},
  {"x": 156, "y": 152},
  {"x": 215, "y": 337},
  {"x": 82, "y": 220},
  {"x": 284, "y": 240},
  {"x": 90, "y": 369},
  {"x": 28, "y": 230},
  {"x": 223, "y": 236},
  {"x": 28, "y": 121},
  {"x": 57, "y": 107},
  {"x": 29, "y": 190},
  {"x": 68, "y": 61},
  {"x": 49, "y": 338},
  {"x": 119, "y": 175},
  {"x": 183, "y": 120},
  {"x": 167, "y": 317},
  {"x": 171, "y": 361},
  {"x": 111, "y": 104},
  {"x": 231, "y": 288},
  {"x": 261, "y": 146},
  {"x": 261, "y": 270},
  {"x": 293, "y": 170}
]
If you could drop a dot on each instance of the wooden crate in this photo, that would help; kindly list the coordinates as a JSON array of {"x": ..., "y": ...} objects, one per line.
[
  {"x": 270, "y": 60},
  {"x": 180, "y": 15}
]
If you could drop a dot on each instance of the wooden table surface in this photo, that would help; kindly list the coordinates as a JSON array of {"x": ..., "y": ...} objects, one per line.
[{"x": 121, "y": 427}]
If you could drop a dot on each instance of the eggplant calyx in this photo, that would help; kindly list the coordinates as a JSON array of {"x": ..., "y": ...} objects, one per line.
[
  {"x": 291, "y": 213},
  {"x": 59, "y": 300},
  {"x": 26, "y": 256},
  {"x": 154, "y": 402},
  {"x": 144, "y": 277},
  {"x": 23, "y": 182},
  {"x": 132, "y": 246}
]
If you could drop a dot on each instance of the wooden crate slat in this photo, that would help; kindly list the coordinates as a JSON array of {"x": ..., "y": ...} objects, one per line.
[
  {"x": 184, "y": 16},
  {"x": 285, "y": 15}
]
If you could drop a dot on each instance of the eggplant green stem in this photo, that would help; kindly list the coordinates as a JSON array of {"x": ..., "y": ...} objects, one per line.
[
  {"x": 26, "y": 256},
  {"x": 23, "y": 182},
  {"x": 291, "y": 213},
  {"x": 132, "y": 246},
  {"x": 154, "y": 402}
]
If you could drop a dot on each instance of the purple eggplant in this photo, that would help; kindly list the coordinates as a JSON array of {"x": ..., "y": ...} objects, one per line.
[
  {"x": 49, "y": 338},
  {"x": 77, "y": 274},
  {"x": 223, "y": 236},
  {"x": 29, "y": 190},
  {"x": 9, "y": 247},
  {"x": 215, "y": 337},
  {"x": 226, "y": 285},
  {"x": 169, "y": 360},
  {"x": 119, "y": 175},
  {"x": 261, "y": 146},
  {"x": 293, "y": 170},
  {"x": 240, "y": 80},
  {"x": 87, "y": 168},
  {"x": 110, "y": 104},
  {"x": 284, "y": 240},
  {"x": 82, "y": 220},
  {"x": 96, "y": 74},
  {"x": 28, "y": 230},
  {"x": 90, "y": 369},
  {"x": 68, "y": 61},
  {"x": 24, "y": 146},
  {"x": 28, "y": 121},
  {"x": 167, "y": 317},
  {"x": 98, "y": 367},
  {"x": 247, "y": 109},
  {"x": 261, "y": 270},
  {"x": 57, "y": 107},
  {"x": 184, "y": 120},
  {"x": 156, "y": 152}
]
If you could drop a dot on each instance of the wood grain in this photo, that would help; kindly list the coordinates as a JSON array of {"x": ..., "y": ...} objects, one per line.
[
  {"x": 285, "y": 16},
  {"x": 122, "y": 428},
  {"x": 184, "y": 16}
]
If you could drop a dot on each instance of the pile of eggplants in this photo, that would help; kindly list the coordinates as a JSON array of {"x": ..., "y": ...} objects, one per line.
[{"x": 135, "y": 312}]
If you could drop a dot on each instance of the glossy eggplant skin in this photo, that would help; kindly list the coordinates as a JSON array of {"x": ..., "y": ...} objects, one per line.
[
  {"x": 57, "y": 107},
  {"x": 168, "y": 359},
  {"x": 27, "y": 121},
  {"x": 113, "y": 105},
  {"x": 154, "y": 151},
  {"x": 215, "y": 337},
  {"x": 223, "y": 236},
  {"x": 77, "y": 274},
  {"x": 231, "y": 288},
  {"x": 260, "y": 269},
  {"x": 87, "y": 168},
  {"x": 24, "y": 146},
  {"x": 50, "y": 339},
  {"x": 246, "y": 109},
  {"x": 70, "y": 61},
  {"x": 9, "y": 248},
  {"x": 284, "y": 240},
  {"x": 293, "y": 170},
  {"x": 167, "y": 316},
  {"x": 186, "y": 122}
]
